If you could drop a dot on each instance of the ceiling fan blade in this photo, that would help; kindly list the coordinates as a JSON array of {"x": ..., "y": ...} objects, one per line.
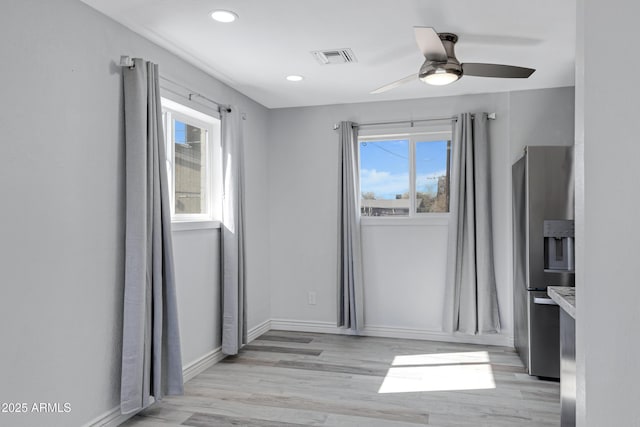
[
  {"x": 395, "y": 84},
  {"x": 430, "y": 44},
  {"x": 496, "y": 70}
]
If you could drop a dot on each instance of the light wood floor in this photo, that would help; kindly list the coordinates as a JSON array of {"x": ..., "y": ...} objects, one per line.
[{"x": 293, "y": 379}]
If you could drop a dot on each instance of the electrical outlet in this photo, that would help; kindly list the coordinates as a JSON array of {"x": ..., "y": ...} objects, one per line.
[{"x": 312, "y": 298}]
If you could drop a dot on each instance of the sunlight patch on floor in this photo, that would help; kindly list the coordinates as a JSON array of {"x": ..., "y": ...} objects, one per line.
[{"x": 439, "y": 372}]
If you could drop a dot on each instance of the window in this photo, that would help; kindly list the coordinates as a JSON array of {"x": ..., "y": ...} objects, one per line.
[
  {"x": 193, "y": 162},
  {"x": 405, "y": 175}
]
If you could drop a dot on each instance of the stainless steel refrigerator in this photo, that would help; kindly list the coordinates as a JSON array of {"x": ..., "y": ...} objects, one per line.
[{"x": 543, "y": 243}]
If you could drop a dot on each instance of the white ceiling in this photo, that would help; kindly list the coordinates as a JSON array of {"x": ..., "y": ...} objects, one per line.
[{"x": 273, "y": 39}]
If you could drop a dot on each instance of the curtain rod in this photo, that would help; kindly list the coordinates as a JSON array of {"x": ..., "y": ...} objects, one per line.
[
  {"x": 126, "y": 61},
  {"x": 490, "y": 116}
]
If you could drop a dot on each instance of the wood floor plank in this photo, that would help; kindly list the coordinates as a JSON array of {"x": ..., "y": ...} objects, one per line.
[
  {"x": 209, "y": 420},
  {"x": 278, "y": 349},
  {"x": 284, "y": 338},
  {"x": 327, "y": 367},
  {"x": 341, "y": 407},
  {"x": 165, "y": 415},
  {"x": 239, "y": 409},
  {"x": 140, "y": 421}
]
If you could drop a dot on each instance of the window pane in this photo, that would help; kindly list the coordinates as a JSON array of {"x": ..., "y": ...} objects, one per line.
[
  {"x": 190, "y": 168},
  {"x": 384, "y": 178},
  {"x": 432, "y": 176}
]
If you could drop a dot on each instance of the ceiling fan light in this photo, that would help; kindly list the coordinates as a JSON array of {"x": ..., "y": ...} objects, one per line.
[{"x": 440, "y": 77}]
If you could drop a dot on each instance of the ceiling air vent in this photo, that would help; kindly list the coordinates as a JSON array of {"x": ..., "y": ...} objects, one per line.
[{"x": 334, "y": 56}]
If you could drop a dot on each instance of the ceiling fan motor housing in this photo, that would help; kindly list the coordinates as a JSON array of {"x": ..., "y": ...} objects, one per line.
[
  {"x": 451, "y": 66},
  {"x": 441, "y": 67}
]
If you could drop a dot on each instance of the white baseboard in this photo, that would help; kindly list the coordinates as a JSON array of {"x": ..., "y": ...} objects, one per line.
[
  {"x": 202, "y": 364},
  {"x": 110, "y": 418},
  {"x": 255, "y": 332},
  {"x": 457, "y": 337},
  {"x": 114, "y": 418},
  {"x": 392, "y": 332},
  {"x": 308, "y": 326}
]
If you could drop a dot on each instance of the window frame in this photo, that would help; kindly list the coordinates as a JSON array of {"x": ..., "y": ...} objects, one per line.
[
  {"x": 171, "y": 111},
  {"x": 413, "y": 137}
]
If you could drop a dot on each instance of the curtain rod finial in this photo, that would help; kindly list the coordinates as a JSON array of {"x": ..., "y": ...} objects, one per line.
[
  {"x": 126, "y": 61},
  {"x": 491, "y": 116}
]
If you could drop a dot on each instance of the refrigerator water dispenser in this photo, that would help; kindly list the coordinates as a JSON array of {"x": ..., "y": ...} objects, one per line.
[{"x": 559, "y": 245}]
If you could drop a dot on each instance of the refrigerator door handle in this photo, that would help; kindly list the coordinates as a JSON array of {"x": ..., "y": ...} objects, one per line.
[{"x": 544, "y": 301}]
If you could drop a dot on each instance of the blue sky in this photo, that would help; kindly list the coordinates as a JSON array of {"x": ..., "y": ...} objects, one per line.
[
  {"x": 384, "y": 166},
  {"x": 180, "y": 131}
]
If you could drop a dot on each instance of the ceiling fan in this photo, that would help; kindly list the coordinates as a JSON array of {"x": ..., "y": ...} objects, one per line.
[{"x": 441, "y": 66}]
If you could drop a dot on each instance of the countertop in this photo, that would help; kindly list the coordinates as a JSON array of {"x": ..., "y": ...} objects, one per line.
[{"x": 565, "y": 296}]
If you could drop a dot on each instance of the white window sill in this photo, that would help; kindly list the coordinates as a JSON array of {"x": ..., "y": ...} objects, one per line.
[
  {"x": 423, "y": 220},
  {"x": 194, "y": 225}
]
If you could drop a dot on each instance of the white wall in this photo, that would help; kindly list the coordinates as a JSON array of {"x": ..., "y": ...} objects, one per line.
[
  {"x": 540, "y": 117},
  {"x": 198, "y": 283},
  {"x": 581, "y": 301},
  {"x": 607, "y": 232},
  {"x": 404, "y": 273},
  {"x": 62, "y": 216},
  {"x": 303, "y": 186}
]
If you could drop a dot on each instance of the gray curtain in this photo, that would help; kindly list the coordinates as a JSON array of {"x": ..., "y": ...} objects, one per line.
[
  {"x": 234, "y": 313},
  {"x": 350, "y": 286},
  {"x": 471, "y": 275},
  {"x": 151, "y": 359}
]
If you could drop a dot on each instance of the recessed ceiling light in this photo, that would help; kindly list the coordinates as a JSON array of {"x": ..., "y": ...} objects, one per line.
[
  {"x": 294, "y": 78},
  {"x": 225, "y": 16}
]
